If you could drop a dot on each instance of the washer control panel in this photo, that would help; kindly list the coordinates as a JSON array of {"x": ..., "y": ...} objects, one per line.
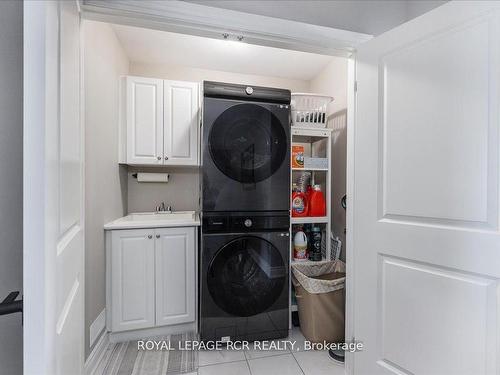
[{"x": 220, "y": 223}]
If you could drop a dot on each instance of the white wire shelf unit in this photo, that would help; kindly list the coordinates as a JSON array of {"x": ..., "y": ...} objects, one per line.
[{"x": 316, "y": 143}]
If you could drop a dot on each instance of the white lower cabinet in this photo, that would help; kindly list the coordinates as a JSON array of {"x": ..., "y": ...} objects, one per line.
[
  {"x": 175, "y": 276},
  {"x": 132, "y": 279},
  {"x": 153, "y": 277}
]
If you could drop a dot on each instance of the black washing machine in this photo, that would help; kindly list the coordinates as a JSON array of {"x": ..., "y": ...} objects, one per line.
[
  {"x": 246, "y": 148},
  {"x": 244, "y": 276}
]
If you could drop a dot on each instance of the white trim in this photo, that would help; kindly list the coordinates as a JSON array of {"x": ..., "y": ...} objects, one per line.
[
  {"x": 194, "y": 19},
  {"x": 34, "y": 117},
  {"x": 142, "y": 333},
  {"x": 351, "y": 127},
  {"x": 97, "y": 353},
  {"x": 83, "y": 173},
  {"x": 97, "y": 327}
]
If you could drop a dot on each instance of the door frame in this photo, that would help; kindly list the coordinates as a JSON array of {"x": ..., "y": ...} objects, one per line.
[
  {"x": 350, "y": 254},
  {"x": 285, "y": 34},
  {"x": 206, "y": 21},
  {"x": 34, "y": 301},
  {"x": 287, "y": 39}
]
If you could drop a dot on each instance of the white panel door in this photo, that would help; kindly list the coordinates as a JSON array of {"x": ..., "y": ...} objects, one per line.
[
  {"x": 132, "y": 279},
  {"x": 175, "y": 275},
  {"x": 181, "y": 122},
  {"x": 144, "y": 120},
  {"x": 426, "y": 195},
  {"x": 53, "y": 190}
]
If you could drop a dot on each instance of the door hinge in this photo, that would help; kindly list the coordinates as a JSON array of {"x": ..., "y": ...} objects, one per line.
[{"x": 355, "y": 86}]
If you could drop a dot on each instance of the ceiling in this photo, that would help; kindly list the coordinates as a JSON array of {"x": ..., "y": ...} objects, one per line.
[
  {"x": 161, "y": 47},
  {"x": 365, "y": 16}
]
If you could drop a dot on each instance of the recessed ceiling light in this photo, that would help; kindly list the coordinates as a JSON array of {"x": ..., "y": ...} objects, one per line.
[{"x": 230, "y": 37}]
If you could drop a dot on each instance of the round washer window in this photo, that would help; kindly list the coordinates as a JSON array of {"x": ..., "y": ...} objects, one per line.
[
  {"x": 246, "y": 276},
  {"x": 247, "y": 143}
]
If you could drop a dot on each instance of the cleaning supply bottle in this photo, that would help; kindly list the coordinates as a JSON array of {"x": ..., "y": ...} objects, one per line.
[
  {"x": 300, "y": 246},
  {"x": 300, "y": 204},
  {"x": 315, "y": 244},
  {"x": 317, "y": 202}
]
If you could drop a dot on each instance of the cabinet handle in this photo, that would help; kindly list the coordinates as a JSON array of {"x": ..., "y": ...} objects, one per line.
[
  {"x": 150, "y": 236},
  {"x": 158, "y": 157},
  {"x": 157, "y": 236},
  {"x": 166, "y": 157}
]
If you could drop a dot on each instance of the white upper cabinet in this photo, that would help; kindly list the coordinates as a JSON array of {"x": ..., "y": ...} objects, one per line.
[
  {"x": 161, "y": 122},
  {"x": 144, "y": 120},
  {"x": 180, "y": 115}
]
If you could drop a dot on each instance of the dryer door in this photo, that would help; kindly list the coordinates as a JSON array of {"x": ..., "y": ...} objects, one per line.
[
  {"x": 247, "y": 143},
  {"x": 246, "y": 276}
]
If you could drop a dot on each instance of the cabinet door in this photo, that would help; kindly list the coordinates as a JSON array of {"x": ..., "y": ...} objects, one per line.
[
  {"x": 132, "y": 279},
  {"x": 144, "y": 120},
  {"x": 175, "y": 275},
  {"x": 181, "y": 123}
]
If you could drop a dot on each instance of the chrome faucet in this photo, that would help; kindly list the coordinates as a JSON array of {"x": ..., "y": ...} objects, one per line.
[{"x": 163, "y": 208}]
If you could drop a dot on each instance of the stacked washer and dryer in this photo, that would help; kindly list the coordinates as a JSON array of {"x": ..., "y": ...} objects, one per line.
[{"x": 244, "y": 268}]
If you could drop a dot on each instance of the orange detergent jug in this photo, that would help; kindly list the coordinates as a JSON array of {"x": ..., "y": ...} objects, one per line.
[
  {"x": 300, "y": 204},
  {"x": 317, "y": 203}
]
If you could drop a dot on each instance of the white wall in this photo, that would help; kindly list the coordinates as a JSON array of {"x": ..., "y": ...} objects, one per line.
[
  {"x": 182, "y": 191},
  {"x": 11, "y": 180},
  {"x": 106, "y": 182},
  {"x": 333, "y": 81}
]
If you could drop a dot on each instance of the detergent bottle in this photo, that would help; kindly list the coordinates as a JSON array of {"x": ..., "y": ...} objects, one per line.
[
  {"x": 300, "y": 204},
  {"x": 300, "y": 246},
  {"x": 317, "y": 202}
]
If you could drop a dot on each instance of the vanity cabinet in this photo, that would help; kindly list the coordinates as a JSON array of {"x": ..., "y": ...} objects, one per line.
[
  {"x": 152, "y": 277},
  {"x": 132, "y": 279},
  {"x": 175, "y": 275},
  {"x": 162, "y": 122}
]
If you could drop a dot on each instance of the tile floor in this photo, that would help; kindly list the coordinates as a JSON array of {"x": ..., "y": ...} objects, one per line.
[{"x": 256, "y": 362}]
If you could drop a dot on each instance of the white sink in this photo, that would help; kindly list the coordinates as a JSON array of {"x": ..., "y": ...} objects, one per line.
[
  {"x": 147, "y": 216},
  {"x": 155, "y": 220}
]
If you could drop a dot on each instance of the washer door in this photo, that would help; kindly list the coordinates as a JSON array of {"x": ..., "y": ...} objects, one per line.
[
  {"x": 246, "y": 276},
  {"x": 247, "y": 143}
]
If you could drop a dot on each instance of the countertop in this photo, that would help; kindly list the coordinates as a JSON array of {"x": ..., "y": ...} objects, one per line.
[{"x": 155, "y": 220}]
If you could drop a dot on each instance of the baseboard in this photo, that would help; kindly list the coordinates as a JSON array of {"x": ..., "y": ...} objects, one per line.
[
  {"x": 97, "y": 327},
  {"x": 96, "y": 354},
  {"x": 138, "y": 334}
]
